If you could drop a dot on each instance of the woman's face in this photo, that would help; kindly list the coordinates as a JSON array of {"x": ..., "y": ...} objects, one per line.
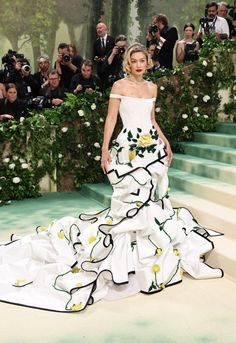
[
  {"x": 138, "y": 63},
  {"x": 11, "y": 94},
  {"x": 188, "y": 32}
]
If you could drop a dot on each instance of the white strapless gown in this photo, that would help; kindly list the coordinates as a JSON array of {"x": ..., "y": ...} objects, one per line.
[{"x": 139, "y": 244}]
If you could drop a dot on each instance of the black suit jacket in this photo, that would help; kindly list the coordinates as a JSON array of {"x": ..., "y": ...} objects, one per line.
[
  {"x": 165, "y": 56},
  {"x": 99, "y": 51}
]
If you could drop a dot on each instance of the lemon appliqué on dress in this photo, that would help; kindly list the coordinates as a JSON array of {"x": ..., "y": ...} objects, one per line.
[
  {"x": 61, "y": 234},
  {"x": 156, "y": 268}
]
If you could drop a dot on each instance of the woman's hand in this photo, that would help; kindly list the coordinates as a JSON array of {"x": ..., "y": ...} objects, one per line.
[
  {"x": 6, "y": 116},
  {"x": 105, "y": 160},
  {"x": 169, "y": 154}
]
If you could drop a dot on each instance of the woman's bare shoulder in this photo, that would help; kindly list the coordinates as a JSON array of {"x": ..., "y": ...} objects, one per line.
[
  {"x": 153, "y": 88},
  {"x": 118, "y": 87}
]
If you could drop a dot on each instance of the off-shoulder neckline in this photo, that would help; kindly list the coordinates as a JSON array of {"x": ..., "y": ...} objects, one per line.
[{"x": 119, "y": 96}]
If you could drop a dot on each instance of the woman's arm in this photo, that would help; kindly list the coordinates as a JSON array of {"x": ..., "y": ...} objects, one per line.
[
  {"x": 113, "y": 108},
  {"x": 180, "y": 51}
]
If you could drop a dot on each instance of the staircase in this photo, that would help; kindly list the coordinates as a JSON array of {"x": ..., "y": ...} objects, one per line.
[{"x": 203, "y": 179}]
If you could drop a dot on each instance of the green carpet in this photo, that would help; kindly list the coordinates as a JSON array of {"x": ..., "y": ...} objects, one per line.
[{"x": 23, "y": 216}]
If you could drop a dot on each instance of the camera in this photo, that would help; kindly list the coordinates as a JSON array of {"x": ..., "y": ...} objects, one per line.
[
  {"x": 190, "y": 53},
  {"x": 37, "y": 102},
  {"x": 10, "y": 56},
  {"x": 121, "y": 50},
  {"x": 153, "y": 29},
  {"x": 26, "y": 68},
  {"x": 66, "y": 57}
]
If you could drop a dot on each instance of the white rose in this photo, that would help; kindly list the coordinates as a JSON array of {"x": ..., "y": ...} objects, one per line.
[
  {"x": 16, "y": 179},
  {"x": 205, "y": 116},
  {"x": 206, "y": 98},
  {"x": 89, "y": 153},
  {"x": 79, "y": 146},
  {"x": 157, "y": 109},
  {"x": 22, "y": 119},
  {"x": 81, "y": 113},
  {"x": 0, "y": 188},
  {"x": 162, "y": 88},
  {"x": 185, "y": 128},
  {"x": 15, "y": 158},
  {"x": 192, "y": 82},
  {"x": 93, "y": 107},
  {"x": 87, "y": 123},
  {"x": 209, "y": 74},
  {"x": 60, "y": 155},
  {"x": 204, "y": 63},
  {"x": 24, "y": 166},
  {"x": 195, "y": 96},
  {"x": 234, "y": 97},
  {"x": 198, "y": 115},
  {"x": 11, "y": 165},
  {"x": 22, "y": 160},
  {"x": 6, "y": 160},
  {"x": 101, "y": 120},
  {"x": 64, "y": 129},
  {"x": 97, "y": 145},
  {"x": 97, "y": 158},
  {"x": 184, "y": 116},
  {"x": 195, "y": 109}
]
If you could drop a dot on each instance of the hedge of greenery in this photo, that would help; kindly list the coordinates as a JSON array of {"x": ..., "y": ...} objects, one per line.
[{"x": 68, "y": 138}]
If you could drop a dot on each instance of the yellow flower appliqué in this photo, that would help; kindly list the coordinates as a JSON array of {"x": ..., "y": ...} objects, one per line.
[
  {"x": 181, "y": 271},
  {"x": 132, "y": 155},
  {"x": 76, "y": 307},
  {"x": 20, "y": 282},
  {"x": 138, "y": 203},
  {"x": 60, "y": 234},
  {"x": 109, "y": 221},
  {"x": 42, "y": 228},
  {"x": 156, "y": 268},
  {"x": 75, "y": 270},
  {"x": 162, "y": 285},
  {"x": 176, "y": 252},
  {"x": 91, "y": 239},
  {"x": 158, "y": 251},
  {"x": 145, "y": 140}
]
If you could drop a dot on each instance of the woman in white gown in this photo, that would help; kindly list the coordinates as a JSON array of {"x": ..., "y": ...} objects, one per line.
[{"x": 139, "y": 244}]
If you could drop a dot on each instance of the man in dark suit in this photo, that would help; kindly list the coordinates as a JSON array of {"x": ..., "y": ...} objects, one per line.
[
  {"x": 164, "y": 37},
  {"x": 101, "y": 48}
]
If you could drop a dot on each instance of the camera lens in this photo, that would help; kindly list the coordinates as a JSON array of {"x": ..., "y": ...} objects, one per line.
[
  {"x": 66, "y": 57},
  {"x": 26, "y": 67}
]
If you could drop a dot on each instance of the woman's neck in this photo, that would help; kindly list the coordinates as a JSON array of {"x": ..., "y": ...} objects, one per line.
[{"x": 136, "y": 79}]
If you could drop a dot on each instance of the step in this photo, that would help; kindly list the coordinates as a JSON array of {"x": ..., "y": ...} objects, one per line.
[
  {"x": 101, "y": 192},
  {"x": 220, "y": 139},
  {"x": 229, "y": 128},
  {"x": 207, "y": 213},
  {"x": 203, "y": 167},
  {"x": 211, "y": 152},
  {"x": 224, "y": 256},
  {"x": 206, "y": 188}
]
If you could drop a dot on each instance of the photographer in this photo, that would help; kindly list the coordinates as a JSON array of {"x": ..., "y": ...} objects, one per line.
[
  {"x": 114, "y": 63},
  {"x": 187, "y": 48},
  {"x": 86, "y": 81},
  {"x": 153, "y": 52},
  {"x": 41, "y": 77},
  {"x": 54, "y": 94},
  {"x": 102, "y": 46},
  {"x": 11, "y": 107},
  {"x": 212, "y": 24},
  {"x": 165, "y": 38},
  {"x": 20, "y": 75},
  {"x": 223, "y": 10},
  {"x": 66, "y": 65}
]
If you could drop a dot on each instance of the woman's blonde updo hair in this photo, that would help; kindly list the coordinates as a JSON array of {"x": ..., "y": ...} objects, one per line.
[{"x": 135, "y": 47}]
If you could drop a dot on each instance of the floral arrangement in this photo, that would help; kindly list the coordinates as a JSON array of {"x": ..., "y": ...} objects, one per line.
[{"x": 66, "y": 141}]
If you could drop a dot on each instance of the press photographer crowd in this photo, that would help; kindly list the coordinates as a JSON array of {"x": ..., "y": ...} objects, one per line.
[{"x": 22, "y": 90}]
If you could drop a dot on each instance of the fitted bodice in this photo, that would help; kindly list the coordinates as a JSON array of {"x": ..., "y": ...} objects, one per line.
[{"x": 135, "y": 112}]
